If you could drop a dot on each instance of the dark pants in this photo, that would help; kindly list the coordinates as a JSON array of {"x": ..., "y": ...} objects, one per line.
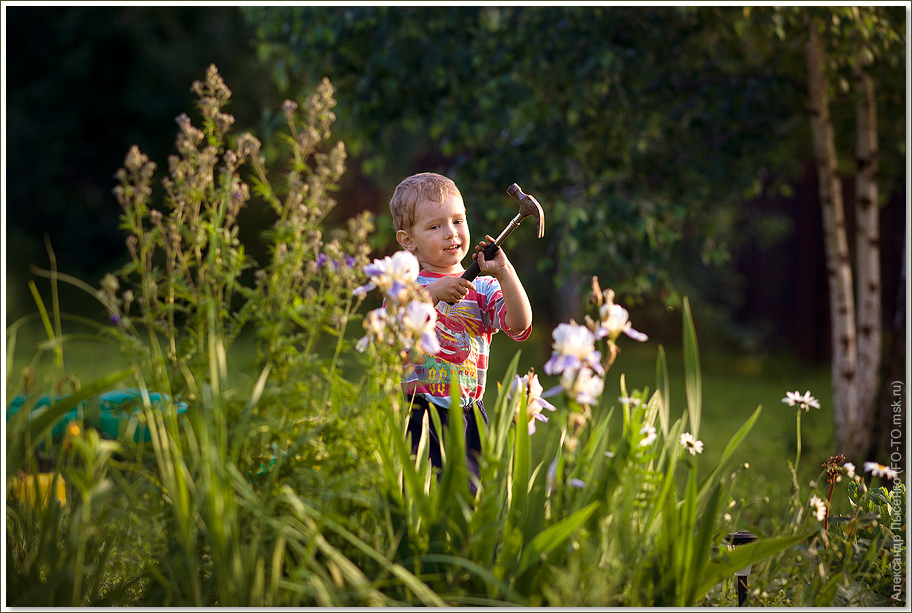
[{"x": 470, "y": 427}]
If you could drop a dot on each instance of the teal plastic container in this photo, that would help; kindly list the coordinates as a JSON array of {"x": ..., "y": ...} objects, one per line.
[
  {"x": 119, "y": 410},
  {"x": 41, "y": 405}
]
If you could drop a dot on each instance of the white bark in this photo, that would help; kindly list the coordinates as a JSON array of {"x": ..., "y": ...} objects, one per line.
[
  {"x": 867, "y": 243},
  {"x": 850, "y": 431}
]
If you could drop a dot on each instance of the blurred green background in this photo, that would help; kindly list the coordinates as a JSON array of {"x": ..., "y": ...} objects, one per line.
[{"x": 669, "y": 147}]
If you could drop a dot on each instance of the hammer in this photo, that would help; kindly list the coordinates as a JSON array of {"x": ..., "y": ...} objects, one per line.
[{"x": 527, "y": 206}]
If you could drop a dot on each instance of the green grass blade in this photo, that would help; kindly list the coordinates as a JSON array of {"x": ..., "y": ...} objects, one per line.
[
  {"x": 684, "y": 545},
  {"x": 522, "y": 465},
  {"x": 668, "y": 460},
  {"x": 46, "y": 321},
  {"x": 12, "y": 335},
  {"x": 702, "y": 544},
  {"x": 548, "y": 539},
  {"x": 479, "y": 571},
  {"x": 692, "y": 376},
  {"x": 597, "y": 443},
  {"x": 454, "y": 483},
  {"x": 499, "y": 435},
  {"x": 662, "y": 386},
  {"x": 410, "y": 581},
  {"x": 403, "y": 452}
]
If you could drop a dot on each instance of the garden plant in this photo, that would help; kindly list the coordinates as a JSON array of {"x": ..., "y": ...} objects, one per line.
[{"x": 288, "y": 481}]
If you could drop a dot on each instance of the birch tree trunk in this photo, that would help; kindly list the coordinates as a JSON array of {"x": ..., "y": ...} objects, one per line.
[
  {"x": 850, "y": 431},
  {"x": 867, "y": 243}
]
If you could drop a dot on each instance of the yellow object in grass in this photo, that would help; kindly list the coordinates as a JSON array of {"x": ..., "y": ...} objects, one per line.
[{"x": 41, "y": 487}]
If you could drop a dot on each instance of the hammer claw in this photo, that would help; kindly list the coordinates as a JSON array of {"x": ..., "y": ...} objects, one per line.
[{"x": 528, "y": 206}]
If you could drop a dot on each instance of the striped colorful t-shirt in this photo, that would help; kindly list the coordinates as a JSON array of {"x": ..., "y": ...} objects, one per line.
[{"x": 464, "y": 331}]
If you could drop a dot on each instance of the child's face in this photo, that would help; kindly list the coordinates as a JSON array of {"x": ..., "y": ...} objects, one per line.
[{"x": 439, "y": 236}]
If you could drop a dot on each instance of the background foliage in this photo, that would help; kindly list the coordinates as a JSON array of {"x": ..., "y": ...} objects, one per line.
[
  {"x": 668, "y": 144},
  {"x": 649, "y": 132}
]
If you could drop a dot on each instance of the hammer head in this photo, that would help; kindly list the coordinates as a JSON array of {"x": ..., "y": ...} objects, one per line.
[{"x": 528, "y": 206}]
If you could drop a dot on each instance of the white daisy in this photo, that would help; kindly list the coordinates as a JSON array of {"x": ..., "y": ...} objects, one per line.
[
  {"x": 850, "y": 470},
  {"x": 805, "y": 402},
  {"x": 650, "y": 435},
  {"x": 819, "y": 506},
  {"x": 691, "y": 444},
  {"x": 879, "y": 470}
]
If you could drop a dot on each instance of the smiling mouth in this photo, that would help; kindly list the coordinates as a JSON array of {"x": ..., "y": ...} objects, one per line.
[{"x": 453, "y": 248}]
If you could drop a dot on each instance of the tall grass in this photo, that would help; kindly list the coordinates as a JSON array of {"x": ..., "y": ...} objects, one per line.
[{"x": 288, "y": 481}]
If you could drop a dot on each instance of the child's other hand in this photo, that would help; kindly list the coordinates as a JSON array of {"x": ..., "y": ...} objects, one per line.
[
  {"x": 449, "y": 289},
  {"x": 495, "y": 265}
]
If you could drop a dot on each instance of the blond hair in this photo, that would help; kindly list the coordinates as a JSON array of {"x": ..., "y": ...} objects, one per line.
[{"x": 417, "y": 188}]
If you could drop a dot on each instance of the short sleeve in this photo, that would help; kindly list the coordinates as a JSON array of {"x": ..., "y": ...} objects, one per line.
[{"x": 495, "y": 313}]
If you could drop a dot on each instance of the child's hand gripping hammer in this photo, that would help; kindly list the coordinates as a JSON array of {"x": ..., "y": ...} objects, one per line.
[{"x": 528, "y": 206}]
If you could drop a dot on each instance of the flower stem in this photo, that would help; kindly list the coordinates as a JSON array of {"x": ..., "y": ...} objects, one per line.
[{"x": 826, "y": 519}]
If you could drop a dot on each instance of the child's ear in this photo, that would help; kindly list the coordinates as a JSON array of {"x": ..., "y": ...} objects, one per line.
[{"x": 405, "y": 240}]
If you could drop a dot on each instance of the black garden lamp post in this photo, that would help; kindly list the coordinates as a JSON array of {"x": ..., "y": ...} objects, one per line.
[{"x": 736, "y": 539}]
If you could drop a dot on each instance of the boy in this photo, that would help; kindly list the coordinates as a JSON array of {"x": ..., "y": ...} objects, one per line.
[{"x": 430, "y": 220}]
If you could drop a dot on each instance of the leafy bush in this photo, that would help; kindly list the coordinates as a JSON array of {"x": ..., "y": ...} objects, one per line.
[
  {"x": 294, "y": 425},
  {"x": 854, "y": 559}
]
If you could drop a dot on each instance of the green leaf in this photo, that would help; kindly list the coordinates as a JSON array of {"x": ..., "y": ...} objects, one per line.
[
  {"x": 403, "y": 453},
  {"x": 879, "y": 495},
  {"x": 692, "y": 377},
  {"x": 501, "y": 417},
  {"x": 668, "y": 460},
  {"x": 479, "y": 571},
  {"x": 454, "y": 483},
  {"x": 410, "y": 581},
  {"x": 702, "y": 544},
  {"x": 522, "y": 462},
  {"x": 546, "y": 541},
  {"x": 662, "y": 386},
  {"x": 684, "y": 547},
  {"x": 48, "y": 328}
]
